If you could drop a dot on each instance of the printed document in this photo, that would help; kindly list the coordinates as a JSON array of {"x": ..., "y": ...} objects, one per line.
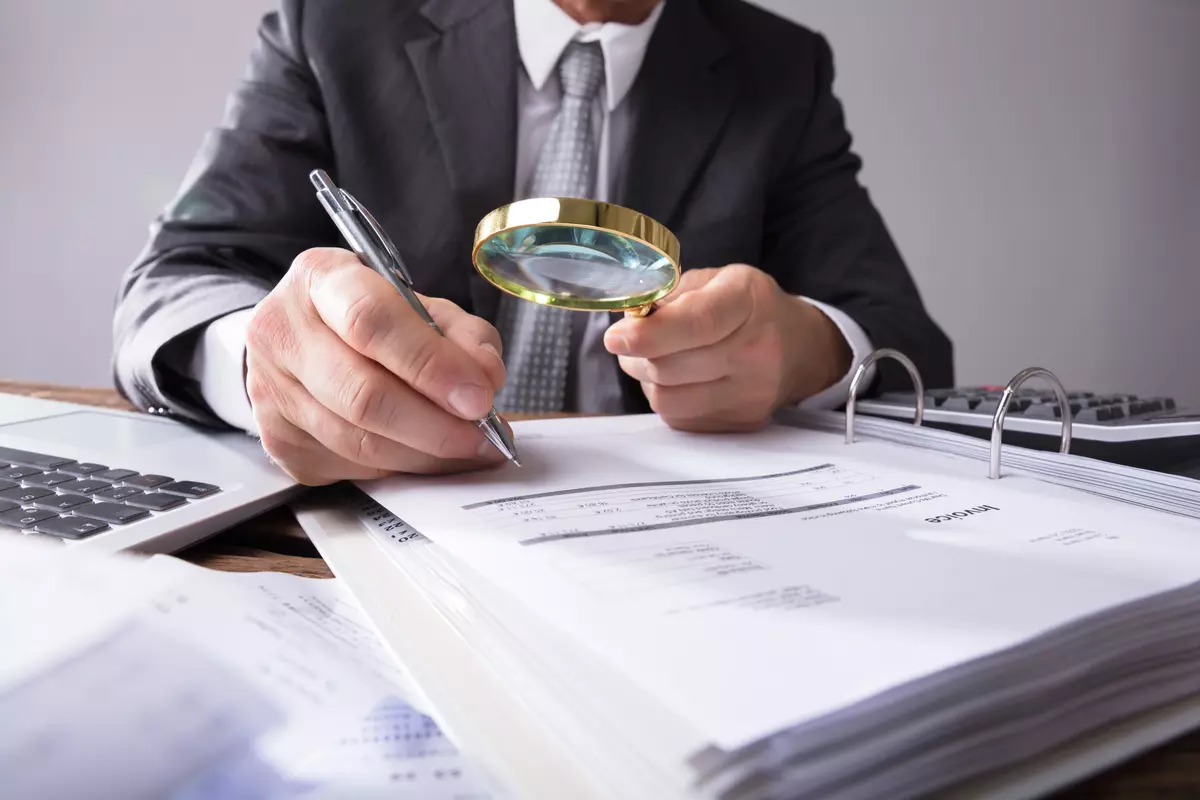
[
  {"x": 756, "y": 582},
  {"x": 157, "y": 678}
]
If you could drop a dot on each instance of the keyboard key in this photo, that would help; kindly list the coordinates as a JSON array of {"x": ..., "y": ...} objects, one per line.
[
  {"x": 6, "y": 484},
  {"x": 62, "y": 503},
  {"x": 82, "y": 470},
  {"x": 190, "y": 489},
  {"x": 25, "y": 518},
  {"x": 8, "y": 505},
  {"x": 114, "y": 513},
  {"x": 112, "y": 475},
  {"x": 24, "y": 495},
  {"x": 117, "y": 493},
  {"x": 156, "y": 501},
  {"x": 24, "y": 458},
  {"x": 146, "y": 481},
  {"x": 47, "y": 479},
  {"x": 82, "y": 486},
  {"x": 70, "y": 527},
  {"x": 16, "y": 473}
]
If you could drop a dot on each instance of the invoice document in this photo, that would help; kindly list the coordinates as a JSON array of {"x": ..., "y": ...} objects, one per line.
[
  {"x": 124, "y": 677},
  {"x": 756, "y": 582}
]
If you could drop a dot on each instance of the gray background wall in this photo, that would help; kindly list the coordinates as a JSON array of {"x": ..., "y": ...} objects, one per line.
[{"x": 1038, "y": 163}]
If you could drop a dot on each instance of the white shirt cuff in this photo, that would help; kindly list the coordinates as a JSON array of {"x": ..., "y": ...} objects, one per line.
[
  {"x": 219, "y": 366},
  {"x": 860, "y": 348}
]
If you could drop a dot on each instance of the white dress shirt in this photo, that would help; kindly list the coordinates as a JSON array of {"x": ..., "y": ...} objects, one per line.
[{"x": 543, "y": 31}]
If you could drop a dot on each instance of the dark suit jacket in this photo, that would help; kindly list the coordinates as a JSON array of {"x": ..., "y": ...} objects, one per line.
[{"x": 740, "y": 147}]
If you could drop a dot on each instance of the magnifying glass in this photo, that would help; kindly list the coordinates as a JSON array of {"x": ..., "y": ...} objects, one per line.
[{"x": 579, "y": 254}]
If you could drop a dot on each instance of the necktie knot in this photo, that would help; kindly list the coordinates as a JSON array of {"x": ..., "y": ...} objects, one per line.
[{"x": 581, "y": 70}]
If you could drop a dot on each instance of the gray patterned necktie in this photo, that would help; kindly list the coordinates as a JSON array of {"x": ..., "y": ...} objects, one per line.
[{"x": 537, "y": 339}]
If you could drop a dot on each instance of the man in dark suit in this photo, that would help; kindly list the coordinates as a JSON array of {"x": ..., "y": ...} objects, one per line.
[{"x": 713, "y": 117}]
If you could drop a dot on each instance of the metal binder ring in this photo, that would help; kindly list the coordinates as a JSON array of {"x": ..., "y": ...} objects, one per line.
[
  {"x": 1009, "y": 392},
  {"x": 860, "y": 373}
]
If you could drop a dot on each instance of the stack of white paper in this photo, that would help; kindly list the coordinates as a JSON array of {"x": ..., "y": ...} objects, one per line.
[
  {"x": 781, "y": 615},
  {"x": 1159, "y": 491}
]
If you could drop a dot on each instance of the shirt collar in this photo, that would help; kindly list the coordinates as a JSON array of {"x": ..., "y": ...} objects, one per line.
[{"x": 544, "y": 30}]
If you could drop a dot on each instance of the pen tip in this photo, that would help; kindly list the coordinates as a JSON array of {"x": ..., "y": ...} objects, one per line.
[{"x": 516, "y": 461}]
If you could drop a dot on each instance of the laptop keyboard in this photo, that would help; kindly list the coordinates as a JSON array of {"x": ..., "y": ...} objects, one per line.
[{"x": 55, "y": 496}]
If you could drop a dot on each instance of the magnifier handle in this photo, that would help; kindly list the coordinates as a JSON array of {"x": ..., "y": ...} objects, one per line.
[{"x": 641, "y": 311}]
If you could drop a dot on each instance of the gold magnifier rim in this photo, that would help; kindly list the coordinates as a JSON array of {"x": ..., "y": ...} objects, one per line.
[{"x": 575, "y": 212}]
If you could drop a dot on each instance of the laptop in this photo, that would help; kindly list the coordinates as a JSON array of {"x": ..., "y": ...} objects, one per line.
[{"x": 112, "y": 480}]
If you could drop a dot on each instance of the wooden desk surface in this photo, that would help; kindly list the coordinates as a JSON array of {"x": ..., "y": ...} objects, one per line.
[{"x": 275, "y": 542}]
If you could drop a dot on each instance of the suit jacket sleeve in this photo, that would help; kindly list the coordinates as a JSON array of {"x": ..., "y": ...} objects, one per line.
[
  {"x": 245, "y": 210},
  {"x": 824, "y": 239}
]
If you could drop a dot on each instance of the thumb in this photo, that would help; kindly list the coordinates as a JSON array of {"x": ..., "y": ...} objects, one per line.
[
  {"x": 473, "y": 334},
  {"x": 690, "y": 281}
]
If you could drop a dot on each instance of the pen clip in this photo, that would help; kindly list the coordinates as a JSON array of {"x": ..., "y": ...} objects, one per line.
[{"x": 381, "y": 236}]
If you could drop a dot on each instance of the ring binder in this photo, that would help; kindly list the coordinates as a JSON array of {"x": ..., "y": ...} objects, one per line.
[
  {"x": 1009, "y": 392},
  {"x": 913, "y": 372}
]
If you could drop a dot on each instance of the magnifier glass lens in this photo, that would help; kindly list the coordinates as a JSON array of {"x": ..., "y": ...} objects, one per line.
[{"x": 575, "y": 266}]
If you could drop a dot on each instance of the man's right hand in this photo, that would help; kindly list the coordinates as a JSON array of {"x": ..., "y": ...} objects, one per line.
[{"x": 347, "y": 382}]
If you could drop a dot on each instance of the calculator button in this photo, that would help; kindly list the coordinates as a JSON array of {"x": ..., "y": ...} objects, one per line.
[
  {"x": 7, "y": 484},
  {"x": 960, "y": 403},
  {"x": 1101, "y": 414},
  {"x": 8, "y": 505},
  {"x": 1043, "y": 411},
  {"x": 988, "y": 406}
]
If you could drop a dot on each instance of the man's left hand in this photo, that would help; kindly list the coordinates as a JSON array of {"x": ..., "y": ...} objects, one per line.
[{"x": 728, "y": 348}]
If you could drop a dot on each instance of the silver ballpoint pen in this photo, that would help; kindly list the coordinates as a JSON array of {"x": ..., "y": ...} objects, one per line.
[{"x": 375, "y": 249}]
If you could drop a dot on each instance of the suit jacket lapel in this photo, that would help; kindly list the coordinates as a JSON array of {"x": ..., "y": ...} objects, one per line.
[
  {"x": 467, "y": 71},
  {"x": 683, "y": 96}
]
